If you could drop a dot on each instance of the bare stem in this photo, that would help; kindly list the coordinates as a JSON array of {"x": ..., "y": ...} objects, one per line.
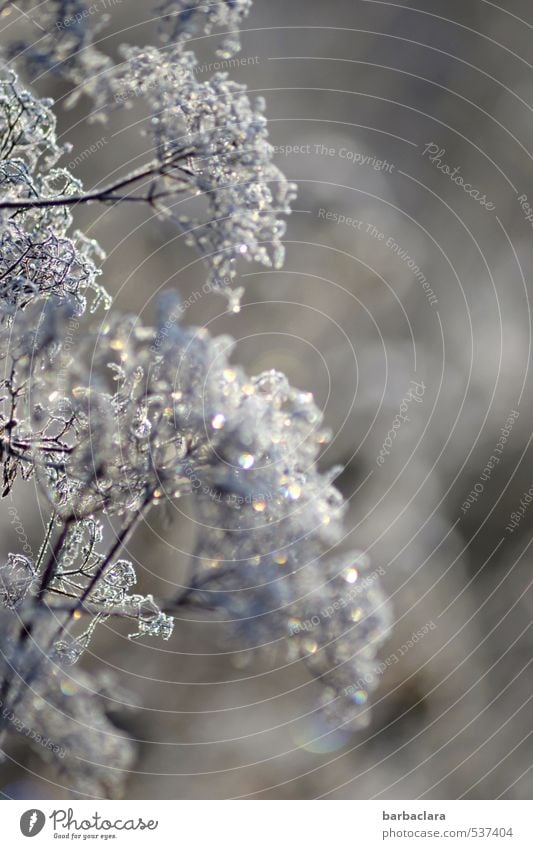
[
  {"x": 48, "y": 571},
  {"x": 119, "y": 543},
  {"x": 114, "y": 192}
]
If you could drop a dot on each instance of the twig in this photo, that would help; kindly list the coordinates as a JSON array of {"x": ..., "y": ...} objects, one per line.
[{"x": 109, "y": 193}]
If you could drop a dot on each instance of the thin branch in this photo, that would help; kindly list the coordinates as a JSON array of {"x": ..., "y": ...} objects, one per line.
[
  {"x": 111, "y": 193},
  {"x": 26, "y": 630},
  {"x": 44, "y": 546},
  {"x": 119, "y": 543},
  {"x": 48, "y": 572}
]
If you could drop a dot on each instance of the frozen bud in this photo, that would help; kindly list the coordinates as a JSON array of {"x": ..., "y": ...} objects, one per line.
[{"x": 16, "y": 578}]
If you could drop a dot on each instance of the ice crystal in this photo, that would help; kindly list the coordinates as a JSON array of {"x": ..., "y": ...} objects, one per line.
[
  {"x": 210, "y": 142},
  {"x": 221, "y": 138},
  {"x": 16, "y": 578},
  {"x": 65, "y": 46},
  {"x": 182, "y": 419},
  {"x": 83, "y": 572},
  {"x": 67, "y": 30},
  {"x": 46, "y": 273},
  {"x": 181, "y": 19},
  {"x": 53, "y": 265},
  {"x": 65, "y": 716},
  {"x": 111, "y": 420},
  {"x": 37, "y": 254}
]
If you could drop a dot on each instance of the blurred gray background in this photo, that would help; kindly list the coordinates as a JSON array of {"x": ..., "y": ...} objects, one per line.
[{"x": 356, "y": 92}]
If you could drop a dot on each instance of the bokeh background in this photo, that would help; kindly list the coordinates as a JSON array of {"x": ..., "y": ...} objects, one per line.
[{"x": 394, "y": 274}]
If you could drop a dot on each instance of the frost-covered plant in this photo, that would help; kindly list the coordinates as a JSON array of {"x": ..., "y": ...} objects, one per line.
[
  {"x": 132, "y": 415},
  {"x": 181, "y": 19},
  {"x": 210, "y": 140}
]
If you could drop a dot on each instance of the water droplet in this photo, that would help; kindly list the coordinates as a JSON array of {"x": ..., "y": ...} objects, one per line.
[
  {"x": 67, "y": 687},
  {"x": 246, "y": 460},
  {"x": 80, "y": 391},
  {"x": 360, "y": 697},
  {"x": 218, "y": 421},
  {"x": 294, "y": 491},
  {"x": 351, "y": 575}
]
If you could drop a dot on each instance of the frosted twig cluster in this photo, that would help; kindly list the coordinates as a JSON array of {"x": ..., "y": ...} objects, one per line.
[
  {"x": 129, "y": 416},
  {"x": 209, "y": 139}
]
